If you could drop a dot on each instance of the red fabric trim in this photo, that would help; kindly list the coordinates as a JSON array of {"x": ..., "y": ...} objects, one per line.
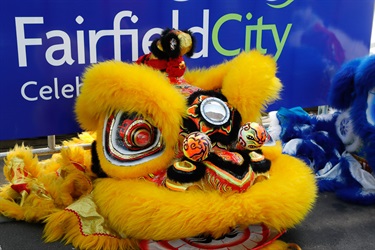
[
  {"x": 20, "y": 187},
  {"x": 174, "y": 67}
]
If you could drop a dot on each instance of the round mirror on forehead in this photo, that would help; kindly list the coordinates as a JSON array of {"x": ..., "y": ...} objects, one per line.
[{"x": 214, "y": 111}]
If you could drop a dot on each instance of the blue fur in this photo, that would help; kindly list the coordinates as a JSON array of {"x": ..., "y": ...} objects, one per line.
[
  {"x": 356, "y": 196},
  {"x": 330, "y": 127},
  {"x": 288, "y": 118},
  {"x": 319, "y": 144},
  {"x": 328, "y": 185},
  {"x": 342, "y": 86},
  {"x": 339, "y": 182},
  {"x": 311, "y": 152},
  {"x": 365, "y": 81},
  {"x": 356, "y": 79}
]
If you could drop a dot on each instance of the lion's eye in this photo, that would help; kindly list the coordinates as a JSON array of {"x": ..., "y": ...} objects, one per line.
[
  {"x": 129, "y": 139},
  {"x": 136, "y": 134}
]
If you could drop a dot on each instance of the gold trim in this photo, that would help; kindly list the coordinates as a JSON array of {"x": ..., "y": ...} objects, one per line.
[
  {"x": 184, "y": 166},
  {"x": 175, "y": 187},
  {"x": 249, "y": 177}
]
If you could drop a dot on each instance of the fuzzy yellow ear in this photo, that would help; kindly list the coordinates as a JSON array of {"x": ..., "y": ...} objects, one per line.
[
  {"x": 208, "y": 78},
  {"x": 250, "y": 84},
  {"x": 113, "y": 85}
]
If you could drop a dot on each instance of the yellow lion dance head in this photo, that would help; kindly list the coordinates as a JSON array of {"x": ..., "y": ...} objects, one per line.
[{"x": 150, "y": 193}]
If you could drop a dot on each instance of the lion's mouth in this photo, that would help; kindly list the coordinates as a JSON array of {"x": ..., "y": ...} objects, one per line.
[{"x": 229, "y": 171}]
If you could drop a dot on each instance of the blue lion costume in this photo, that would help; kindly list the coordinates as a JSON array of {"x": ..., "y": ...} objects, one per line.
[{"x": 338, "y": 146}]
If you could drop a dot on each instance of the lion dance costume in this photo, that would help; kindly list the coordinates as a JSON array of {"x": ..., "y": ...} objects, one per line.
[{"x": 182, "y": 165}]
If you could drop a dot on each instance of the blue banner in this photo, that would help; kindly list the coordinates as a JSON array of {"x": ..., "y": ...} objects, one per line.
[{"x": 45, "y": 46}]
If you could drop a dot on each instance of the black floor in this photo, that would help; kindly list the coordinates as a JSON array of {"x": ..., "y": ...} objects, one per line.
[{"x": 332, "y": 224}]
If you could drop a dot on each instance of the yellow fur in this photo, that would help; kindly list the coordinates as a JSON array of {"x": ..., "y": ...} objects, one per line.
[
  {"x": 208, "y": 79},
  {"x": 29, "y": 161},
  {"x": 9, "y": 207},
  {"x": 148, "y": 207},
  {"x": 254, "y": 90},
  {"x": 54, "y": 183},
  {"x": 83, "y": 138},
  {"x": 277, "y": 245}
]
